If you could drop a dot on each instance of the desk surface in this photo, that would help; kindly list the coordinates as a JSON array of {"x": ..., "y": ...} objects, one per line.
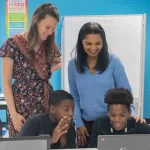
[{"x": 79, "y": 149}]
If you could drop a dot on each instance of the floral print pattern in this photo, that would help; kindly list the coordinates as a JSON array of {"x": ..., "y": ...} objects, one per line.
[{"x": 30, "y": 84}]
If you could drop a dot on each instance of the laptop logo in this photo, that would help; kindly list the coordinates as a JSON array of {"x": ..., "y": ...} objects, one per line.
[{"x": 123, "y": 148}]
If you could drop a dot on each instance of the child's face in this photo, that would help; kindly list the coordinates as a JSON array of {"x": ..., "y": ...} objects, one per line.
[
  {"x": 65, "y": 108},
  {"x": 118, "y": 115}
]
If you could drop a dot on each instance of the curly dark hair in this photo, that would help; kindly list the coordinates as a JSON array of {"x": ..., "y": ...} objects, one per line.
[{"x": 118, "y": 96}]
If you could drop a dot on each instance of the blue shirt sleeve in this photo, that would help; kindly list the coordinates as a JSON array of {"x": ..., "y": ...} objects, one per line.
[
  {"x": 74, "y": 92},
  {"x": 121, "y": 79}
]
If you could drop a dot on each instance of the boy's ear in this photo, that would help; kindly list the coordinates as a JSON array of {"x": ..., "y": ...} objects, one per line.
[
  {"x": 129, "y": 115},
  {"x": 52, "y": 109}
]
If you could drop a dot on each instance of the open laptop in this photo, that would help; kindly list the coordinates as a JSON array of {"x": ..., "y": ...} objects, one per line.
[
  {"x": 25, "y": 143},
  {"x": 124, "y": 142}
]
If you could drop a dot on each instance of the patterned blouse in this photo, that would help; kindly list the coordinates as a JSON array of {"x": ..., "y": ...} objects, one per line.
[{"x": 31, "y": 85}]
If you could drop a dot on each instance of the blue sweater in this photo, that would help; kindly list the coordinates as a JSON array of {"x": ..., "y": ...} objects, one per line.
[{"x": 89, "y": 89}]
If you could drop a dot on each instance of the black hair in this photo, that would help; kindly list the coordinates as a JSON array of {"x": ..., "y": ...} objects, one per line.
[
  {"x": 81, "y": 56},
  {"x": 56, "y": 97},
  {"x": 118, "y": 96}
]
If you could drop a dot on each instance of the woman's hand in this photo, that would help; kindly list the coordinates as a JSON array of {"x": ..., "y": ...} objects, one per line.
[
  {"x": 57, "y": 64},
  {"x": 17, "y": 120},
  {"x": 82, "y": 133},
  {"x": 137, "y": 118}
]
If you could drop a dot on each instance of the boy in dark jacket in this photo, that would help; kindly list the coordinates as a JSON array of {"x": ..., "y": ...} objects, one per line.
[
  {"x": 56, "y": 123},
  {"x": 118, "y": 120}
]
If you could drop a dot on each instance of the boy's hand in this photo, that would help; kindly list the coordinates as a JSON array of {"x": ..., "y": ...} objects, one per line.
[
  {"x": 63, "y": 138},
  {"x": 67, "y": 120},
  {"x": 60, "y": 129}
]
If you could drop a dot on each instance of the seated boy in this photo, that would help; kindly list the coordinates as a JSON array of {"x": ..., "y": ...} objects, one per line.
[
  {"x": 118, "y": 120},
  {"x": 56, "y": 123}
]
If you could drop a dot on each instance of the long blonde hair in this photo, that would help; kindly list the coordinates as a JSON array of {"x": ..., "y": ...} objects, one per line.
[{"x": 50, "y": 47}]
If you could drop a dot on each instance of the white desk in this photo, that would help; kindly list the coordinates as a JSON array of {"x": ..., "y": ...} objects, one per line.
[{"x": 79, "y": 149}]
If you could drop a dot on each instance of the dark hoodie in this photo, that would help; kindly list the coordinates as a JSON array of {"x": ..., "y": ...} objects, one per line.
[
  {"x": 40, "y": 124},
  {"x": 102, "y": 126}
]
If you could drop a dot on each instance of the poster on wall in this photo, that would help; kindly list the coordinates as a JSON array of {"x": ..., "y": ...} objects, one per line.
[{"x": 16, "y": 16}]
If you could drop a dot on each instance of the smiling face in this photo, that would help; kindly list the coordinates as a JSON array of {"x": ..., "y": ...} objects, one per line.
[
  {"x": 92, "y": 44},
  {"x": 118, "y": 115},
  {"x": 46, "y": 27}
]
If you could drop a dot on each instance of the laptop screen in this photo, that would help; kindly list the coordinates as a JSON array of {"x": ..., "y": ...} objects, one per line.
[
  {"x": 124, "y": 142},
  {"x": 25, "y": 143}
]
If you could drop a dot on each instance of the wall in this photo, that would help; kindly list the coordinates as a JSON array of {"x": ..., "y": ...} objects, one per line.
[
  {"x": 2, "y": 32},
  {"x": 93, "y": 7}
]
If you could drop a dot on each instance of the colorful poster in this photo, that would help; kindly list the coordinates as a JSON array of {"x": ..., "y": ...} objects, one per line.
[{"x": 16, "y": 16}]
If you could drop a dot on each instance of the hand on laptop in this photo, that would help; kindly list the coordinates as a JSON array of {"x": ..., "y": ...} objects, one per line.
[
  {"x": 61, "y": 129},
  {"x": 81, "y": 135}
]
